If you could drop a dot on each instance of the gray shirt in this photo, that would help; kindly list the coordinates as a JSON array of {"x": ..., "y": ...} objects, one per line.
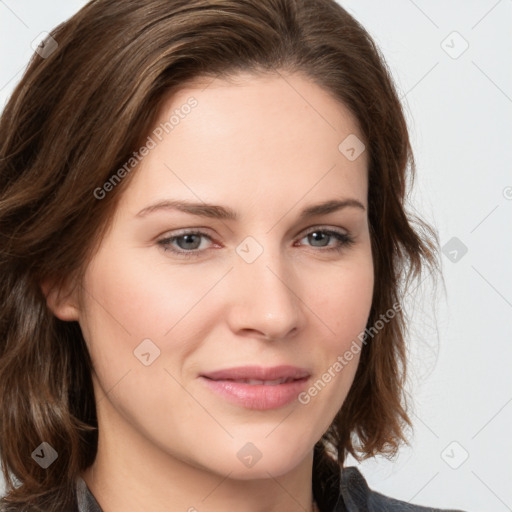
[{"x": 349, "y": 494}]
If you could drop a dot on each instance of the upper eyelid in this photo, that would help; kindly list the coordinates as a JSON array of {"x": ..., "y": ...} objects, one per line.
[
  {"x": 324, "y": 228},
  {"x": 203, "y": 231}
]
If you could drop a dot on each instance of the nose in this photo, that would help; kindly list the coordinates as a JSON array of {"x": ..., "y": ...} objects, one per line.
[{"x": 265, "y": 297}]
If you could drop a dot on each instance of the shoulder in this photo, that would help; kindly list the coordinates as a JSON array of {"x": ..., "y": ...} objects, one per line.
[{"x": 355, "y": 495}]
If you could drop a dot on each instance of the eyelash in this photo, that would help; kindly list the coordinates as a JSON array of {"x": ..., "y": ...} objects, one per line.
[{"x": 344, "y": 241}]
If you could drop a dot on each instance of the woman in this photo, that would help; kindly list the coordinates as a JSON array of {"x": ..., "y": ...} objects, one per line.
[{"x": 204, "y": 251}]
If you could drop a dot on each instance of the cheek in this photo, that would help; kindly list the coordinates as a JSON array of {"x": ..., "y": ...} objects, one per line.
[
  {"x": 145, "y": 300},
  {"x": 128, "y": 301},
  {"x": 344, "y": 307},
  {"x": 344, "y": 300}
]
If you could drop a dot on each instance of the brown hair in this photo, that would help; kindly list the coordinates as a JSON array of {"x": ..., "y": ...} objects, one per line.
[{"x": 77, "y": 116}]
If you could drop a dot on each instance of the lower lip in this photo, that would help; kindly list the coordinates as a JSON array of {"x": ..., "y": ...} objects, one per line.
[{"x": 257, "y": 396}]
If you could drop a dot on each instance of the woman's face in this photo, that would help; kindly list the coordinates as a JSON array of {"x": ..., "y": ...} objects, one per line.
[{"x": 219, "y": 348}]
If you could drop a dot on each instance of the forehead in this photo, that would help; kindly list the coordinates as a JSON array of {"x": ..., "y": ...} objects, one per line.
[
  {"x": 267, "y": 99},
  {"x": 278, "y": 132}
]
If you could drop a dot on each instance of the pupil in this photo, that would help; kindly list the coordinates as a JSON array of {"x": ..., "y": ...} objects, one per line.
[
  {"x": 318, "y": 236},
  {"x": 187, "y": 241}
]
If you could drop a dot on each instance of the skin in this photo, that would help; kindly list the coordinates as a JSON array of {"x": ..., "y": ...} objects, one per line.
[{"x": 267, "y": 147}]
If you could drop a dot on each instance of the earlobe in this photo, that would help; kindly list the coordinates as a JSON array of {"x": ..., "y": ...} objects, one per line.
[{"x": 61, "y": 301}]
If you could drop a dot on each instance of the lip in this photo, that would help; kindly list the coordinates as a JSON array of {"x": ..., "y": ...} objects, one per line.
[{"x": 259, "y": 395}]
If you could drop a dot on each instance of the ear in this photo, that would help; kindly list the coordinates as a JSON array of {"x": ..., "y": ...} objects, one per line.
[{"x": 61, "y": 300}]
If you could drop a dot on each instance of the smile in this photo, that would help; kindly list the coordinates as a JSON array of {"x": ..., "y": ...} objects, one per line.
[{"x": 257, "y": 388}]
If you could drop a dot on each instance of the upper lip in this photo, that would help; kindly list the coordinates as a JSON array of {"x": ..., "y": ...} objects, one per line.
[{"x": 258, "y": 373}]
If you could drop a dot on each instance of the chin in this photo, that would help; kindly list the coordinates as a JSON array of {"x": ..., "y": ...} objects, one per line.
[
  {"x": 260, "y": 460},
  {"x": 263, "y": 470}
]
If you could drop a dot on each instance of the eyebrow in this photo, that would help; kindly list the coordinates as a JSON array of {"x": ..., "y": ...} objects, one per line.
[{"x": 225, "y": 213}]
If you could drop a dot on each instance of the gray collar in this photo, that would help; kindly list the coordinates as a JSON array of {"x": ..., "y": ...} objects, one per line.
[
  {"x": 351, "y": 494},
  {"x": 86, "y": 502}
]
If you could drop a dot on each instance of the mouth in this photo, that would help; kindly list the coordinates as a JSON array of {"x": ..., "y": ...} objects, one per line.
[
  {"x": 259, "y": 374},
  {"x": 255, "y": 387},
  {"x": 257, "y": 382}
]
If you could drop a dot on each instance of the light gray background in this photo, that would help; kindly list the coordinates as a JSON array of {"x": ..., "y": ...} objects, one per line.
[{"x": 459, "y": 107}]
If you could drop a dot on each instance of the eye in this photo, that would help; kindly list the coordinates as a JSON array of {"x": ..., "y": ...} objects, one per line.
[
  {"x": 188, "y": 243},
  {"x": 319, "y": 237}
]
